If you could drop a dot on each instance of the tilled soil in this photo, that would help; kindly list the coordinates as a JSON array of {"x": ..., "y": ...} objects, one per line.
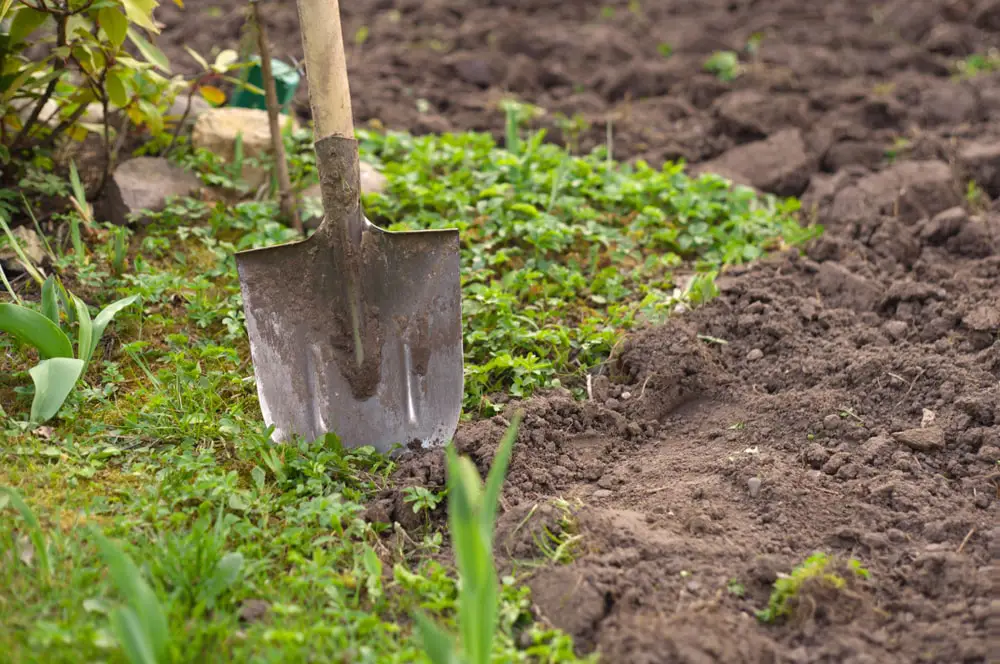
[{"x": 844, "y": 400}]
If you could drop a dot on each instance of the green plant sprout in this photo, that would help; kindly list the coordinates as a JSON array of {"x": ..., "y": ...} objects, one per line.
[
  {"x": 59, "y": 369},
  {"x": 724, "y": 64},
  {"x": 787, "y": 587},
  {"x": 471, "y": 514}
]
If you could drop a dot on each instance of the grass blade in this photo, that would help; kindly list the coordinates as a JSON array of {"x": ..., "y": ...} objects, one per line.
[
  {"x": 438, "y": 644},
  {"x": 36, "y": 330},
  {"x": 134, "y": 641},
  {"x": 21, "y": 256},
  {"x": 35, "y": 533},
  {"x": 138, "y": 594}
]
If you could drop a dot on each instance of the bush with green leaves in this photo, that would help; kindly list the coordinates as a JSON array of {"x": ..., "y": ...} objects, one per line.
[
  {"x": 60, "y": 56},
  {"x": 59, "y": 367},
  {"x": 472, "y": 511}
]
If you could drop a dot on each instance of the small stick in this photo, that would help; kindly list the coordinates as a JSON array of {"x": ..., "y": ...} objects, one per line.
[
  {"x": 965, "y": 541},
  {"x": 287, "y": 197}
]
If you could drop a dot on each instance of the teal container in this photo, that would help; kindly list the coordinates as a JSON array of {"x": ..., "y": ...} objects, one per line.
[{"x": 286, "y": 83}]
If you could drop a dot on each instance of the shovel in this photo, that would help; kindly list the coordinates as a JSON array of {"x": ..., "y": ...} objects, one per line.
[{"x": 354, "y": 331}]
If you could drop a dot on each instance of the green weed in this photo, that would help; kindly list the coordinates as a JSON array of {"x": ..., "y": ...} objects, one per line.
[{"x": 814, "y": 568}]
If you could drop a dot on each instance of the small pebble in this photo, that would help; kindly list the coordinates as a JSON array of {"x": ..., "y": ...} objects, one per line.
[
  {"x": 754, "y": 485},
  {"x": 626, "y": 396},
  {"x": 602, "y": 493},
  {"x": 755, "y": 354}
]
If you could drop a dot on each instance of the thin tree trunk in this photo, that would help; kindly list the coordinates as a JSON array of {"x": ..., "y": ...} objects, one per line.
[{"x": 289, "y": 208}]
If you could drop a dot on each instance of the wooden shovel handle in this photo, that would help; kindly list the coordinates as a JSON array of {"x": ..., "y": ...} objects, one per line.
[{"x": 326, "y": 68}]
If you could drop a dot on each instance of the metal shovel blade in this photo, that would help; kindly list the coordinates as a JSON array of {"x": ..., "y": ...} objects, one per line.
[{"x": 356, "y": 331}]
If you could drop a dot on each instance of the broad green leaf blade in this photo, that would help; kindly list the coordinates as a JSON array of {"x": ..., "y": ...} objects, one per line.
[
  {"x": 140, "y": 12},
  {"x": 106, "y": 316},
  {"x": 50, "y": 300},
  {"x": 152, "y": 54},
  {"x": 439, "y": 646},
  {"x": 25, "y": 22},
  {"x": 134, "y": 641},
  {"x": 85, "y": 344},
  {"x": 33, "y": 328},
  {"x": 54, "y": 380},
  {"x": 137, "y": 592},
  {"x": 114, "y": 23}
]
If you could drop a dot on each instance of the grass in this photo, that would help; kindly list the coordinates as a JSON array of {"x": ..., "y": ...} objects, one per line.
[
  {"x": 978, "y": 63},
  {"x": 162, "y": 449}
]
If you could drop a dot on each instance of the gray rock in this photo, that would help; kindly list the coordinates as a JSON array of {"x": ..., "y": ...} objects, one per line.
[
  {"x": 921, "y": 440},
  {"x": 145, "y": 183},
  {"x": 30, "y": 244},
  {"x": 755, "y": 354},
  {"x": 753, "y": 484},
  {"x": 216, "y": 130}
]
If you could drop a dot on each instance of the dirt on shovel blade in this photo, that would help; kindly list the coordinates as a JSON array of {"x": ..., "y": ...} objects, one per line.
[{"x": 854, "y": 407}]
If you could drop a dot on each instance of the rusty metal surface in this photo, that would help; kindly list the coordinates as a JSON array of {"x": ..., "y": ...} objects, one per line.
[{"x": 356, "y": 331}]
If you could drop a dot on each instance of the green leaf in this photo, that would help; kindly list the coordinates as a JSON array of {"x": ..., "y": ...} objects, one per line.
[
  {"x": 134, "y": 641},
  {"x": 202, "y": 62},
  {"x": 116, "y": 89},
  {"x": 54, "y": 379},
  {"x": 35, "y": 533},
  {"x": 152, "y": 54},
  {"x": 140, "y": 12},
  {"x": 85, "y": 344},
  {"x": 498, "y": 472},
  {"x": 25, "y": 22},
  {"x": 439, "y": 646},
  {"x": 50, "y": 301},
  {"x": 114, "y": 23},
  {"x": 140, "y": 596},
  {"x": 106, "y": 316},
  {"x": 225, "y": 60},
  {"x": 31, "y": 327}
]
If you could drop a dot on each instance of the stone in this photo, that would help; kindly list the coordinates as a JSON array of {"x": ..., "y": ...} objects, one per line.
[
  {"x": 980, "y": 162},
  {"x": 145, "y": 183},
  {"x": 755, "y": 354},
  {"x": 216, "y": 130},
  {"x": 30, "y": 244},
  {"x": 777, "y": 165},
  {"x": 921, "y": 440},
  {"x": 753, "y": 485},
  {"x": 199, "y": 106}
]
